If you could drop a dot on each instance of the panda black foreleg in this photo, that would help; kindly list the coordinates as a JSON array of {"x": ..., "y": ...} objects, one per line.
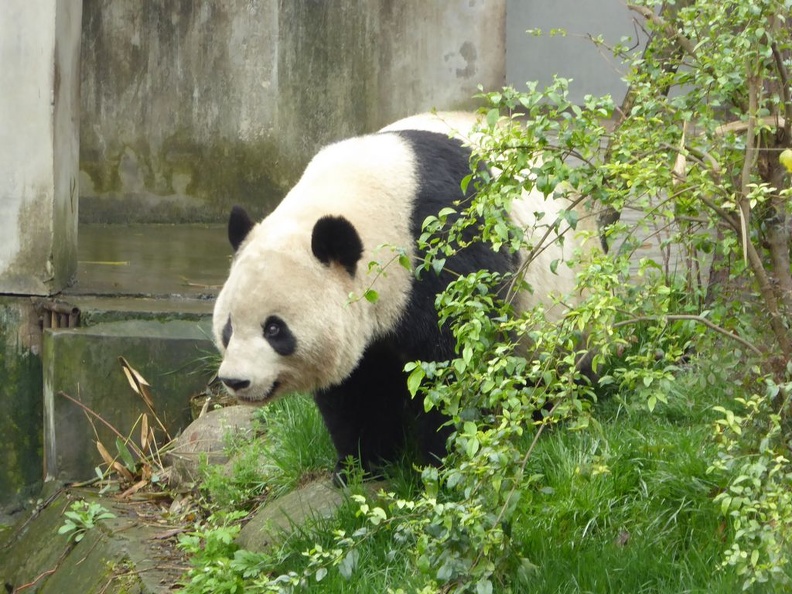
[{"x": 366, "y": 415}]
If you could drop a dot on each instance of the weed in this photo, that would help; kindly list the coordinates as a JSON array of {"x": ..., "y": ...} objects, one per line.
[{"x": 82, "y": 517}]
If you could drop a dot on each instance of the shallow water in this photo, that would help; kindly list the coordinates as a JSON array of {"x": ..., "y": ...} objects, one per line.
[{"x": 152, "y": 260}]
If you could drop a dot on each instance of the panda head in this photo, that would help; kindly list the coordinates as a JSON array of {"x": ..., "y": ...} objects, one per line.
[{"x": 283, "y": 321}]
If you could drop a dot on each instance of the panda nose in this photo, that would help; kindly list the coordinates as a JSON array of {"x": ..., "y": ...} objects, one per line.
[{"x": 235, "y": 384}]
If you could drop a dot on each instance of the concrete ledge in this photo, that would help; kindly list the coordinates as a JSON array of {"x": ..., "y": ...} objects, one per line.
[
  {"x": 123, "y": 555},
  {"x": 83, "y": 363}
]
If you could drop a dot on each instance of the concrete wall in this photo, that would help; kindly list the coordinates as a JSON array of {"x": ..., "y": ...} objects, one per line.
[
  {"x": 39, "y": 63},
  {"x": 191, "y": 106},
  {"x": 20, "y": 401},
  {"x": 39, "y": 54}
]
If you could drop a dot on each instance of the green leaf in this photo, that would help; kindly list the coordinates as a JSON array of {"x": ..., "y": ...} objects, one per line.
[
  {"x": 484, "y": 587},
  {"x": 414, "y": 380},
  {"x": 371, "y": 296},
  {"x": 125, "y": 454},
  {"x": 348, "y": 565},
  {"x": 467, "y": 353},
  {"x": 466, "y": 182},
  {"x": 571, "y": 217},
  {"x": 492, "y": 117},
  {"x": 437, "y": 265}
]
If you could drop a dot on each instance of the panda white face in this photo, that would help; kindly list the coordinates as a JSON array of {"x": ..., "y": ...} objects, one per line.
[{"x": 276, "y": 342}]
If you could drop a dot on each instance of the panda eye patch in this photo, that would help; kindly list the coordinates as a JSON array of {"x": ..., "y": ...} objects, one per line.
[
  {"x": 227, "y": 332},
  {"x": 277, "y": 333}
]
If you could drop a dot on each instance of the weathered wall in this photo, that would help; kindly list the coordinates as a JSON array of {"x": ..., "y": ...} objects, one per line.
[
  {"x": 39, "y": 53},
  {"x": 193, "y": 105},
  {"x": 39, "y": 99}
]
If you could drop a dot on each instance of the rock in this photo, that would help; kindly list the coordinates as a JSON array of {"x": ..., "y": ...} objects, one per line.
[
  {"x": 315, "y": 500},
  {"x": 206, "y": 437}
]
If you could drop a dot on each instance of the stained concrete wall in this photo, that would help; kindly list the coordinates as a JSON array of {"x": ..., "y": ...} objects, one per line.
[
  {"x": 20, "y": 401},
  {"x": 39, "y": 53},
  {"x": 39, "y": 101},
  {"x": 191, "y": 106}
]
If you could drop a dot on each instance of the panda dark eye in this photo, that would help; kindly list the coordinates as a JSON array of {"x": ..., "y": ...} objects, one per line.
[
  {"x": 271, "y": 328},
  {"x": 277, "y": 333}
]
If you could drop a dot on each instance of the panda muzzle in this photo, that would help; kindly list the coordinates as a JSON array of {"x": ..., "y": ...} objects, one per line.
[{"x": 238, "y": 388}]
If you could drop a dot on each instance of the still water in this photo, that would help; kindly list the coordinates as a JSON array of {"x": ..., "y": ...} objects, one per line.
[{"x": 152, "y": 260}]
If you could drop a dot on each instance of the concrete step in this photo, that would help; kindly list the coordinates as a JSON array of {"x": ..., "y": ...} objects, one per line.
[
  {"x": 144, "y": 293},
  {"x": 174, "y": 356}
]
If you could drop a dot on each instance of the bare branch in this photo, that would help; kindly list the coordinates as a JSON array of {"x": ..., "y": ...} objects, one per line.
[
  {"x": 661, "y": 23},
  {"x": 692, "y": 318}
]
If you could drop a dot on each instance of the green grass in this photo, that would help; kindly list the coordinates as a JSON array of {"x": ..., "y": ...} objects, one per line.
[
  {"x": 293, "y": 445},
  {"x": 623, "y": 507},
  {"x": 628, "y": 509}
]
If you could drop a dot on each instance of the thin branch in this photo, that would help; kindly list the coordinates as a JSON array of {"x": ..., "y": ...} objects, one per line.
[
  {"x": 750, "y": 160},
  {"x": 735, "y": 225},
  {"x": 661, "y": 23},
  {"x": 787, "y": 104},
  {"x": 739, "y": 126},
  {"x": 692, "y": 318}
]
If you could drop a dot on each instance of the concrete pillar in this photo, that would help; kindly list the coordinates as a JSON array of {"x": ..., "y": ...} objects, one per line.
[{"x": 39, "y": 149}]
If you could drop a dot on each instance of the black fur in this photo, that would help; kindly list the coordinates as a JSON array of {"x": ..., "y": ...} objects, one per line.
[
  {"x": 334, "y": 239},
  {"x": 368, "y": 415},
  {"x": 239, "y": 225}
]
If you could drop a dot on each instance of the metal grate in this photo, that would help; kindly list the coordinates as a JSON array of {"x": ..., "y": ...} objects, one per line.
[{"x": 54, "y": 313}]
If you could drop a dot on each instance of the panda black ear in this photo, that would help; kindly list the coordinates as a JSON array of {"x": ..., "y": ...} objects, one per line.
[
  {"x": 335, "y": 239},
  {"x": 239, "y": 225}
]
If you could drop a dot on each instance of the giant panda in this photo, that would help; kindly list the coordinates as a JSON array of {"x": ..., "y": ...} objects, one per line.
[{"x": 284, "y": 320}]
